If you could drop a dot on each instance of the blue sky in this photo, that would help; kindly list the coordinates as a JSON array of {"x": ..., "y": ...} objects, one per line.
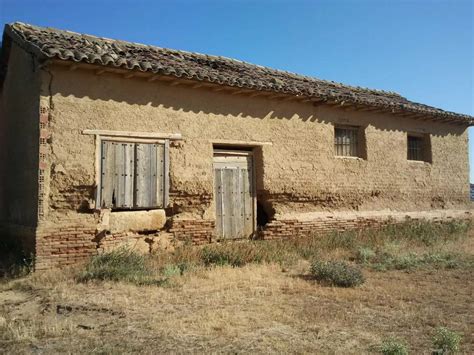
[{"x": 422, "y": 49}]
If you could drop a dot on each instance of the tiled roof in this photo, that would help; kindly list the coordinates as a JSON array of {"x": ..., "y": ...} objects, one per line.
[{"x": 75, "y": 47}]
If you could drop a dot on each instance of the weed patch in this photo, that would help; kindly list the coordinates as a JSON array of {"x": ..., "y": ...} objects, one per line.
[
  {"x": 336, "y": 273},
  {"x": 446, "y": 341},
  {"x": 119, "y": 265},
  {"x": 393, "y": 346},
  {"x": 383, "y": 261}
]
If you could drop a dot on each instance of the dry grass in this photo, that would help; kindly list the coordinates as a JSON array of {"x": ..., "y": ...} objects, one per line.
[{"x": 262, "y": 308}]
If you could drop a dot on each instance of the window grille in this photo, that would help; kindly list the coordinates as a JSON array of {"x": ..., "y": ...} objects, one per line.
[
  {"x": 415, "y": 148},
  {"x": 346, "y": 141}
]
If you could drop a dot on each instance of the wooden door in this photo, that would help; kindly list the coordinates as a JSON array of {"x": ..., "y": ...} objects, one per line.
[{"x": 234, "y": 194}]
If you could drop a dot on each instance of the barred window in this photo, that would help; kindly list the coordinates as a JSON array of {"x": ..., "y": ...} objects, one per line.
[
  {"x": 346, "y": 141},
  {"x": 415, "y": 148}
]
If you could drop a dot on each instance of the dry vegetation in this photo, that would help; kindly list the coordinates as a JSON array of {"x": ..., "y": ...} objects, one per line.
[{"x": 252, "y": 297}]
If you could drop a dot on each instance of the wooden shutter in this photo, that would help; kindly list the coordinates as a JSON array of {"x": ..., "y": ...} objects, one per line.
[
  {"x": 134, "y": 175},
  {"x": 117, "y": 174},
  {"x": 149, "y": 175}
]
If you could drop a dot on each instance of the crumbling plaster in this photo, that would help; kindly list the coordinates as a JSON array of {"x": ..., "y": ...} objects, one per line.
[{"x": 297, "y": 173}]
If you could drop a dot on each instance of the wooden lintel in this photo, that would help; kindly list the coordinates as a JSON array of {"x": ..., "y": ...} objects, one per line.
[
  {"x": 236, "y": 142},
  {"x": 129, "y": 134}
]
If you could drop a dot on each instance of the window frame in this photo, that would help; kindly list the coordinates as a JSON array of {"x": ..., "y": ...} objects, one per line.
[
  {"x": 359, "y": 138},
  {"x": 425, "y": 153},
  {"x": 131, "y": 137},
  {"x": 164, "y": 183}
]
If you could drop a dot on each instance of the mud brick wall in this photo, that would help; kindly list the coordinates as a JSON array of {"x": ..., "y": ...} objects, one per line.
[
  {"x": 64, "y": 246},
  {"x": 194, "y": 231},
  {"x": 296, "y": 169}
]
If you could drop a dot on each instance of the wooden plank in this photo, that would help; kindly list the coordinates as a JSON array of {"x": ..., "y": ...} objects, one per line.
[
  {"x": 166, "y": 173},
  {"x": 248, "y": 208},
  {"x": 129, "y": 174},
  {"x": 239, "y": 215},
  {"x": 107, "y": 183},
  {"x": 119, "y": 188},
  {"x": 233, "y": 192},
  {"x": 153, "y": 178},
  {"x": 228, "y": 142},
  {"x": 218, "y": 200},
  {"x": 160, "y": 175},
  {"x": 228, "y": 206},
  {"x": 133, "y": 134},
  {"x": 142, "y": 175}
]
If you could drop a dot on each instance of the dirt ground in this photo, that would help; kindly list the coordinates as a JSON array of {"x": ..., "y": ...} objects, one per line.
[{"x": 256, "y": 308}]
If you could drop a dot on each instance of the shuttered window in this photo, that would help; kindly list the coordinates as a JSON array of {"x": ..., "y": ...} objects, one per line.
[
  {"x": 133, "y": 175},
  {"x": 346, "y": 141}
]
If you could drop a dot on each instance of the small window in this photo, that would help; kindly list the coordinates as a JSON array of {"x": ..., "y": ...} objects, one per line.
[
  {"x": 133, "y": 175},
  {"x": 346, "y": 141},
  {"x": 418, "y": 147}
]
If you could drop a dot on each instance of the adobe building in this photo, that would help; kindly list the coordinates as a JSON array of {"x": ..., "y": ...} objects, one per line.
[{"x": 106, "y": 142}]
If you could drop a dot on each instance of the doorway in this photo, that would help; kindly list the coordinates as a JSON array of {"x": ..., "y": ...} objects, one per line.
[{"x": 234, "y": 191}]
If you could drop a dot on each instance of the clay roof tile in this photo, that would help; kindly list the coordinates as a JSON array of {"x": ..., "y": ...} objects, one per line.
[{"x": 70, "y": 46}]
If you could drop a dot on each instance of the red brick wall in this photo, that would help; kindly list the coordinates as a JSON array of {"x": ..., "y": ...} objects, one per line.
[
  {"x": 193, "y": 230},
  {"x": 278, "y": 229},
  {"x": 64, "y": 246}
]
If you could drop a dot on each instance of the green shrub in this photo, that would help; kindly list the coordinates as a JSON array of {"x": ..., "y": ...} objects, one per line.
[
  {"x": 393, "y": 346},
  {"x": 365, "y": 255},
  {"x": 119, "y": 265},
  {"x": 446, "y": 341},
  {"x": 175, "y": 269},
  {"x": 336, "y": 273}
]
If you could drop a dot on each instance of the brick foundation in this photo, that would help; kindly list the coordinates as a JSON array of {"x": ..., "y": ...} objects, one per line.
[
  {"x": 64, "y": 246},
  {"x": 323, "y": 223},
  {"x": 75, "y": 243},
  {"x": 193, "y": 230}
]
